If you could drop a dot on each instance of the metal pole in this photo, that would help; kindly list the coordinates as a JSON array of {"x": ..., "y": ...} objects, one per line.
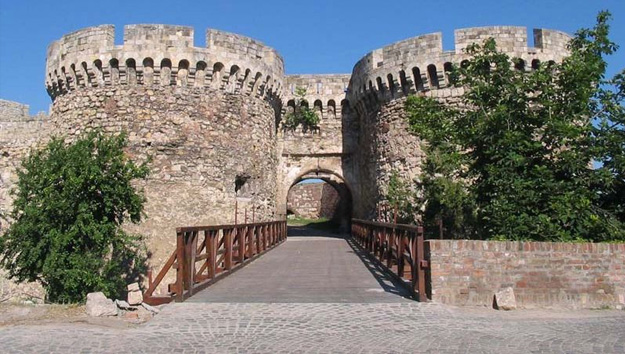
[
  {"x": 440, "y": 228},
  {"x": 395, "y": 214},
  {"x": 236, "y": 210}
]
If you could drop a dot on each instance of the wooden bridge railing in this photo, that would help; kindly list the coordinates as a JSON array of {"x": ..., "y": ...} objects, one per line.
[
  {"x": 204, "y": 254},
  {"x": 399, "y": 247}
]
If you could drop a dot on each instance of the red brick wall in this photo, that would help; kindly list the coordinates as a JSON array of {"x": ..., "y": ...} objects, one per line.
[{"x": 581, "y": 275}]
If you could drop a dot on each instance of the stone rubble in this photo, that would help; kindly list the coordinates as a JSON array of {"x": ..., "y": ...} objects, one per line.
[{"x": 123, "y": 305}]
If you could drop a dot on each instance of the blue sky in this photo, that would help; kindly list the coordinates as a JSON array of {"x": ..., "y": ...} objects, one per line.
[{"x": 313, "y": 37}]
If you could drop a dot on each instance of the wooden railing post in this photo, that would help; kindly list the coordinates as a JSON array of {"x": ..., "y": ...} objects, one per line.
[
  {"x": 249, "y": 242},
  {"x": 150, "y": 281},
  {"x": 422, "y": 263},
  {"x": 228, "y": 247},
  {"x": 390, "y": 242},
  {"x": 190, "y": 253},
  {"x": 180, "y": 262},
  {"x": 257, "y": 240},
  {"x": 401, "y": 237},
  {"x": 211, "y": 249},
  {"x": 241, "y": 240}
]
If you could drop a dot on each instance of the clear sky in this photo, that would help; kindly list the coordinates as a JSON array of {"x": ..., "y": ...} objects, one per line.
[{"x": 318, "y": 36}]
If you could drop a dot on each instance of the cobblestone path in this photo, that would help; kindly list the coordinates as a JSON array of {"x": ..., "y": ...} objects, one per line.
[{"x": 370, "y": 316}]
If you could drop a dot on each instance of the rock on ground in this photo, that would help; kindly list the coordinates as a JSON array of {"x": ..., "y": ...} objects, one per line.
[
  {"x": 150, "y": 308},
  {"x": 99, "y": 305},
  {"x": 505, "y": 299},
  {"x": 123, "y": 305}
]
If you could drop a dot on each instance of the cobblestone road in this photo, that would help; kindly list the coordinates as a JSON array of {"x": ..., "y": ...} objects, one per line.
[{"x": 390, "y": 325}]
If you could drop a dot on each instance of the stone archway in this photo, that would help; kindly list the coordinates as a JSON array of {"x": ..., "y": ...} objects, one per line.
[{"x": 344, "y": 209}]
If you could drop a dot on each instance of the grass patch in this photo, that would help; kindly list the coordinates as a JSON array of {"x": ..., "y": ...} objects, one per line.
[{"x": 323, "y": 224}]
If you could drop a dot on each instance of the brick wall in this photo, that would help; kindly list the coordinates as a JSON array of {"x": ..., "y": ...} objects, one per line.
[{"x": 579, "y": 275}]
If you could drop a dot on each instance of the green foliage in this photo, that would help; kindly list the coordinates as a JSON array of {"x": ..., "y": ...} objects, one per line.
[
  {"x": 69, "y": 204},
  {"x": 301, "y": 114},
  {"x": 401, "y": 197},
  {"x": 514, "y": 160}
]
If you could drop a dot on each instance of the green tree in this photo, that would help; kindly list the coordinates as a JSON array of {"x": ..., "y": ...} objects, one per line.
[
  {"x": 70, "y": 203},
  {"x": 514, "y": 159},
  {"x": 401, "y": 199},
  {"x": 445, "y": 190},
  {"x": 301, "y": 114}
]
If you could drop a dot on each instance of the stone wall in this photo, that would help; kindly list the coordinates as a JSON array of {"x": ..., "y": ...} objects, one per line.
[
  {"x": 325, "y": 94},
  {"x": 19, "y": 132},
  {"x": 313, "y": 200},
  {"x": 200, "y": 142},
  {"x": 162, "y": 55},
  {"x": 578, "y": 275},
  {"x": 329, "y": 148}
]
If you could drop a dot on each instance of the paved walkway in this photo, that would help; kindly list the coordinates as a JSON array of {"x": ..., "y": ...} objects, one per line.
[{"x": 367, "y": 315}]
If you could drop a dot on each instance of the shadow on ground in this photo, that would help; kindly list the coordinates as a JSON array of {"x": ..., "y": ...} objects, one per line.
[
  {"x": 385, "y": 279},
  {"x": 307, "y": 231}
]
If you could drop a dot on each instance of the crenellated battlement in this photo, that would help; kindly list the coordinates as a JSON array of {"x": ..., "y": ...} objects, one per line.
[
  {"x": 325, "y": 93},
  {"x": 420, "y": 64},
  {"x": 163, "y": 55},
  {"x": 11, "y": 111}
]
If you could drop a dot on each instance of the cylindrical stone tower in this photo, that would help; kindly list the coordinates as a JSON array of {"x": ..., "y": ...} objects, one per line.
[
  {"x": 383, "y": 79},
  {"x": 206, "y": 117}
]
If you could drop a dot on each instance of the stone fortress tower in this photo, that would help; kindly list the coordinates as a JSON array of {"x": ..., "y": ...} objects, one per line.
[
  {"x": 206, "y": 116},
  {"x": 382, "y": 80},
  {"x": 210, "y": 117}
]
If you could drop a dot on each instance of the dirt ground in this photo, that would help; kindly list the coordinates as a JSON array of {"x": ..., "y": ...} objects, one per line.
[{"x": 12, "y": 314}]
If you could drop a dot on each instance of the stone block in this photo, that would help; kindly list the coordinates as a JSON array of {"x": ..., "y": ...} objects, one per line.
[
  {"x": 135, "y": 297},
  {"x": 505, "y": 300},
  {"x": 99, "y": 305}
]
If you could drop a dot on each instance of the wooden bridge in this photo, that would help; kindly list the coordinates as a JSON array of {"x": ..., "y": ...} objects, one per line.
[{"x": 377, "y": 262}]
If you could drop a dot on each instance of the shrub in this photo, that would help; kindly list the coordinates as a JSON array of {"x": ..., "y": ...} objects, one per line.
[{"x": 70, "y": 203}]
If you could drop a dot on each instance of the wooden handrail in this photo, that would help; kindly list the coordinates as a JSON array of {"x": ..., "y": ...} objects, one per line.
[
  {"x": 378, "y": 224},
  {"x": 222, "y": 249},
  {"x": 399, "y": 248},
  {"x": 221, "y": 227}
]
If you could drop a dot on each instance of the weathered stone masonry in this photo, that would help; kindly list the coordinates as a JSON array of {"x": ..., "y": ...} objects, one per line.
[
  {"x": 313, "y": 200},
  {"x": 206, "y": 116},
  {"x": 19, "y": 131}
]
